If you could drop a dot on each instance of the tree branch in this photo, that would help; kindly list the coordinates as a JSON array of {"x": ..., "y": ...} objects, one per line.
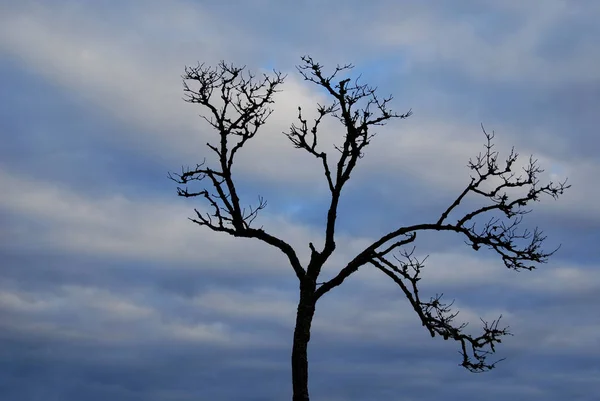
[
  {"x": 438, "y": 317},
  {"x": 516, "y": 247},
  {"x": 358, "y": 108},
  {"x": 244, "y": 108},
  {"x": 238, "y": 104}
]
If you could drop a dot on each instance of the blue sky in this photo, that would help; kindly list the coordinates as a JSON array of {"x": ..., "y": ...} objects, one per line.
[{"x": 108, "y": 292}]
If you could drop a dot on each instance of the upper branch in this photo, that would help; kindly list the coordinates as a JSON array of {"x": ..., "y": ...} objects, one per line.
[
  {"x": 304, "y": 138},
  {"x": 358, "y": 108},
  {"x": 355, "y": 105},
  {"x": 238, "y": 105}
]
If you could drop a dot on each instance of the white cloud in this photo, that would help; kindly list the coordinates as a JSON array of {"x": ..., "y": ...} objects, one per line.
[
  {"x": 10, "y": 300},
  {"x": 430, "y": 36},
  {"x": 105, "y": 303},
  {"x": 143, "y": 229},
  {"x": 95, "y": 314},
  {"x": 260, "y": 304},
  {"x": 112, "y": 67},
  {"x": 115, "y": 67},
  {"x": 136, "y": 229},
  {"x": 583, "y": 338}
]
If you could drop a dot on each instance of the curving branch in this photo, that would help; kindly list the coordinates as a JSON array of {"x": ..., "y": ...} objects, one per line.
[
  {"x": 238, "y": 105},
  {"x": 438, "y": 318}
]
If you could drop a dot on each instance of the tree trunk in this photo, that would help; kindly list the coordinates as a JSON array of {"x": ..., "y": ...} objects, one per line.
[{"x": 304, "y": 316}]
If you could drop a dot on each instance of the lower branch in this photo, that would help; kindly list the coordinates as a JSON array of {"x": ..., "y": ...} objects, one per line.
[{"x": 438, "y": 318}]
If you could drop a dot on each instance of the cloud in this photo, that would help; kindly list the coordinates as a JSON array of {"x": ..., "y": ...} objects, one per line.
[
  {"x": 112, "y": 66},
  {"x": 96, "y": 315},
  {"x": 478, "y": 43},
  {"x": 116, "y": 225},
  {"x": 107, "y": 291}
]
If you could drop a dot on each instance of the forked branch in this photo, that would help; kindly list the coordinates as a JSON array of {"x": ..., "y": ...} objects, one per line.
[
  {"x": 501, "y": 233},
  {"x": 238, "y": 105},
  {"x": 358, "y": 108},
  {"x": 518, "y": 248}
]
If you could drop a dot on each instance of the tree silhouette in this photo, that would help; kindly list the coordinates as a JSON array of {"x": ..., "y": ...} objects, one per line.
[{"x": 238, "y": 104}]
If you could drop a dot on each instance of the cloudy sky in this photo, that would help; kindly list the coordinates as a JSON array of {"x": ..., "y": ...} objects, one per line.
[{"x": 108, "y": 292}]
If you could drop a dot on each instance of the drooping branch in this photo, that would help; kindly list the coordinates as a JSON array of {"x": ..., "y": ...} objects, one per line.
[
  {"x": 437, "y": 317},
  {"x": 238, "y": 105}
]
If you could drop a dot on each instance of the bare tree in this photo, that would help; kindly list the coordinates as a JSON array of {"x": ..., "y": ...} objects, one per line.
[{"x": 238, "y": 104}]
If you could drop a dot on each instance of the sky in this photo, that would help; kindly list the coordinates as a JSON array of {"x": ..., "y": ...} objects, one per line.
[{"x": 107, "y": 291}]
